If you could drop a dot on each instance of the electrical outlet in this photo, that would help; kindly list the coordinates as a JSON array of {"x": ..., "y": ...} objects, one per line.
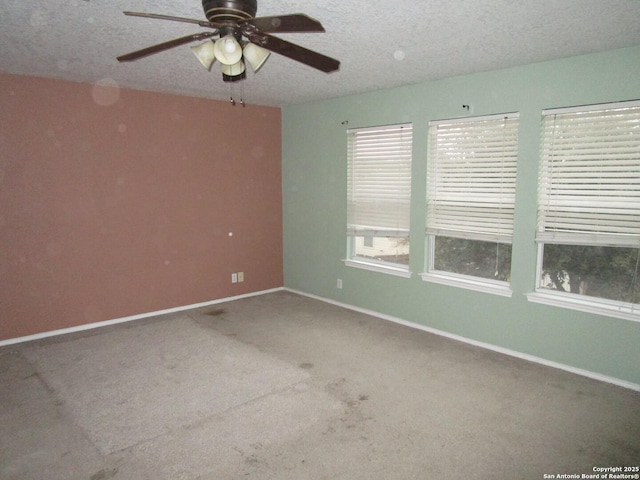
[
  {"x": 234, "y": 278},
  {"x": 339, "y": 283},
  {"x": 240, "y": 276}
]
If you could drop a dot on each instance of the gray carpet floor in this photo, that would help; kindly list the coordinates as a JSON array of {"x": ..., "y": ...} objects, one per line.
[{"x": 285, "y": 387}]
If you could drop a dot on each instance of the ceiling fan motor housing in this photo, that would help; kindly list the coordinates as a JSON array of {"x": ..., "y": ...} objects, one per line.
[{"x": 218, "y": 11}]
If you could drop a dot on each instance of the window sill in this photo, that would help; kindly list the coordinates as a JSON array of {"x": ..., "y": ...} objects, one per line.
[
  {"x": 588, "y": 305},
  {"x": 379, "y": 267},
  {"x": 470, "y": 283}
]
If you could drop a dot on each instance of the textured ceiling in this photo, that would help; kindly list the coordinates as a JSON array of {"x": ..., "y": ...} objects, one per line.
[{"x": 381, "y": 43}]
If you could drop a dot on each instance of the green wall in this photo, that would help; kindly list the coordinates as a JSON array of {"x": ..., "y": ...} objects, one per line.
[{"x": 314, "y": 202}]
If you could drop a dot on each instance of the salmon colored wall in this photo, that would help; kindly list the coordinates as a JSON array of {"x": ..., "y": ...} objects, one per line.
[{"x": 116, "y": 202}]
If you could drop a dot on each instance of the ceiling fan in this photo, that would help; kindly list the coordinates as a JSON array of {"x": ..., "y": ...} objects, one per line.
[{"x": 243, "y": 38}]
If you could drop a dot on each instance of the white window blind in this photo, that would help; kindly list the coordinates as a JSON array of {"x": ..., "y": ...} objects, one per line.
[
  {"x": 471, "y": 183},
  {"x": 379, "y": 180},
  {"x": 589, "y": 185}
]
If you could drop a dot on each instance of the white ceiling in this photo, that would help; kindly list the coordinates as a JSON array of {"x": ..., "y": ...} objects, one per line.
[{"x": 381, "y": 43}]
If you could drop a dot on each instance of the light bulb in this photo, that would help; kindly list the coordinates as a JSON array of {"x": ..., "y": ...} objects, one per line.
[
  {"x": 227, "y": 50},
  {"x": 229, "y": 45}
]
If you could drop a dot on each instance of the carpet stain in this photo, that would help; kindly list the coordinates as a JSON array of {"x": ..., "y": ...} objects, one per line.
[
  {"x": 215, "y": 312},
  {"x": 104, "y": 474},
  {"x": 306, "y": 366},
  {"x": 353, "y": 418}
]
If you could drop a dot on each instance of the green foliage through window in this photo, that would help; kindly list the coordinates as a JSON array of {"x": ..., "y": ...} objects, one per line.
[
  {"x": 473, "y": 257},
  {"x": 595, "y": 271}
]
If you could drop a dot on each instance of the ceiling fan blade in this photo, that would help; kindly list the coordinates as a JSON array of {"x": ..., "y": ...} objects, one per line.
[
  {"x": 296, "y": 52},
  {"x": 164, "y": 46},
  {"x": 297, "y": 22},
  {"x": 202, "y": 23}
]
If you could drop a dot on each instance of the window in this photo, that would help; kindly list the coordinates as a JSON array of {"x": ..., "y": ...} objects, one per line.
[
  {"x": 589, "y": 209},
  {"x": 379, "y": 197},
  {"x": 471, "y": 184}
]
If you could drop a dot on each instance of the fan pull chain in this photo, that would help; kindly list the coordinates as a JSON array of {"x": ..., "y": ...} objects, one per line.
[{"x": 233, "y": 100}]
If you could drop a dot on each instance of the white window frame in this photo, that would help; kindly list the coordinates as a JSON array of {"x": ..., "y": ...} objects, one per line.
[
  {"x": 581, "y": 235},
  {"x": 387, "y": 211},
  {"x": 500, "y": 228}
]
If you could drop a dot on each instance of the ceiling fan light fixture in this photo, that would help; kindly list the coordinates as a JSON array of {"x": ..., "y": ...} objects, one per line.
[
  {"x": 233, "y": 73},
  {"x": 234, "y": 78},
  {"x": 235, "y": 24},
  {"x": 234, "y": 70},
  {"x": 227, "y": 50},
  {"x": 205, "y": 52},
  {"x": 256, "y": 56}
]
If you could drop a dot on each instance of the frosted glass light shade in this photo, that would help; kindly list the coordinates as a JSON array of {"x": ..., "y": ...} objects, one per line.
[
  {"x": 233, "y": 70},
  {"x": 256, "y": 56},
  {"x": 205, "y": 53},
  {"x": 228, "y": 50}
]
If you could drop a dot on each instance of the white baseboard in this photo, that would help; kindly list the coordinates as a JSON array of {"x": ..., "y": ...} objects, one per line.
[
  {"x": 442, "y": 333},
  {"x": 90, "y": 326},
  {"x": 513, "y": 353}
]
